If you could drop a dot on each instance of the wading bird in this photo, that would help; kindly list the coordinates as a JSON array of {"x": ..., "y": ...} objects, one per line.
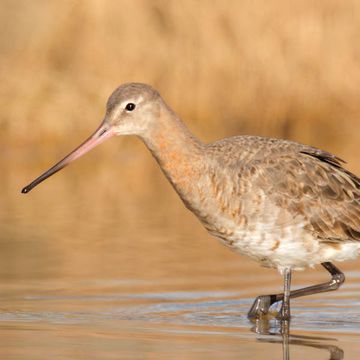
[{"x": 286, "y": 205}]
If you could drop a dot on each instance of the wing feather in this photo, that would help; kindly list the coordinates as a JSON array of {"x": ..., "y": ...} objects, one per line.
[{"x": 313, "y": 183}]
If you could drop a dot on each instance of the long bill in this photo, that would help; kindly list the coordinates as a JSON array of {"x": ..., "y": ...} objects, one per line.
[{"x": 99, "y": 136}]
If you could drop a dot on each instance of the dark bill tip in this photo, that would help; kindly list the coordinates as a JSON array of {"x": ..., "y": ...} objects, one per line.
[
  {"x": 26, "y": 189},
  {"x": 101, "y": 134}
]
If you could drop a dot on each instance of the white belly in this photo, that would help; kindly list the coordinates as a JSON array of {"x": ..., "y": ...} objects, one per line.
[{"x": 280, "y": 247}]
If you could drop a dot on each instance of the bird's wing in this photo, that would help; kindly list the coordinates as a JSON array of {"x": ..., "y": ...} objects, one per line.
[{"x": 312, "y": 183}]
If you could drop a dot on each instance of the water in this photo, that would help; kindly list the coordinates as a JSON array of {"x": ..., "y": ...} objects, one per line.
[
  {"x": 136, "y": 319},
  {"x": 104, "y": 262}
]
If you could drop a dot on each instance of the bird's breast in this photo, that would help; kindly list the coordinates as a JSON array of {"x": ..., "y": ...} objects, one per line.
[{"x": 247, "y": 221}]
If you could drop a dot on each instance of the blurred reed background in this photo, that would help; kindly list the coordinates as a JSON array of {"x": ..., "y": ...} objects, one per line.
[{"x": 274, "y": 68}]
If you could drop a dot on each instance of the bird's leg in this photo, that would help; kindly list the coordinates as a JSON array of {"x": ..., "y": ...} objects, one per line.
[
  {"x": 337, "y": 279},
  {"x": 284, "y": 313},
  {"x": 262, "y": 303}
]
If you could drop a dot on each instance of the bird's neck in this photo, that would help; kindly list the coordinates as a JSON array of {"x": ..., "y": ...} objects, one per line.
[{"x": 178, "y": 152}]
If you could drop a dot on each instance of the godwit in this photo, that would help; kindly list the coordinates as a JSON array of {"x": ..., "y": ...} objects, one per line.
[{"x": 287, "y": 205}]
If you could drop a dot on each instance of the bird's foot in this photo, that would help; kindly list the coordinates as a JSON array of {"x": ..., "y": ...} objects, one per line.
[{"x": 260, "y": 307}]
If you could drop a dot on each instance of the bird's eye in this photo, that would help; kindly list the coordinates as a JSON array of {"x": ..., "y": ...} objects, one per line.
[{"x": 130, "y": 107}]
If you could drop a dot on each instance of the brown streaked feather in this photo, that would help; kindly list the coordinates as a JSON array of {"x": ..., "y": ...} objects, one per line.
[
  {"x": 315, "y": 185},
  {"x": 308, "y": 182},
  {"x": 334, "y": 161}
]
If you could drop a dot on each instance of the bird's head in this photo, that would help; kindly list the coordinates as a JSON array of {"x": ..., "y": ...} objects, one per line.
[{"x": 132, "y": 109}]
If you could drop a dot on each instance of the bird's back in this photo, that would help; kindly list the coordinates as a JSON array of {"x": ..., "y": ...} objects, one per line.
[
  {"x": 276, "y": 188},
  {"x": 301, "y": 178}
]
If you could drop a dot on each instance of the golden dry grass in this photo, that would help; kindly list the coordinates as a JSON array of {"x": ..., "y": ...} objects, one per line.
[{"x": 276, "y": 68}]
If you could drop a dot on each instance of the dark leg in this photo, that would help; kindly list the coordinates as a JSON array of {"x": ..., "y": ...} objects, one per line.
[
  {"x": 285, "y": 338},
  {"x": 262, "y": 303},
  {"x": 284, "y": 313}
]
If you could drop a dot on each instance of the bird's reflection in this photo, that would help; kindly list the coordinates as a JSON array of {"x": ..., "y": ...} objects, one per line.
[{"x": 279, "y": 332}]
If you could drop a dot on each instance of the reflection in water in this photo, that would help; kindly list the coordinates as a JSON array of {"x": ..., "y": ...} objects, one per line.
[
  {"x": 167, "y": 317},
  {"x": 281, "y": 334}
]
